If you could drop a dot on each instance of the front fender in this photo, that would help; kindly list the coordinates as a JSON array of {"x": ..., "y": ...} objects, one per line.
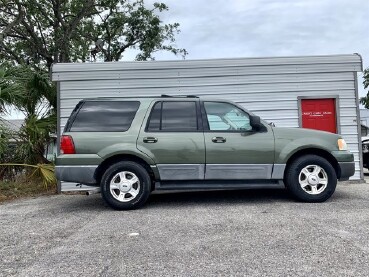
[{"x": 284, "y": 149}]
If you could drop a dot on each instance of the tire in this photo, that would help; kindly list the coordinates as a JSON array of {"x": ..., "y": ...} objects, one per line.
[
  {"x": 311, "y": 178},
  {"x": 125, "y": 185}
]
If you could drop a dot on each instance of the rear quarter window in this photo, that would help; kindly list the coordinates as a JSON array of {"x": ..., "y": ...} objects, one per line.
[{"x": 104, "y": 116}]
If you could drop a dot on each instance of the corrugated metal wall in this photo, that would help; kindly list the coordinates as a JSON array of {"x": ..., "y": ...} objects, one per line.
[{"x": 267, "y": 86}]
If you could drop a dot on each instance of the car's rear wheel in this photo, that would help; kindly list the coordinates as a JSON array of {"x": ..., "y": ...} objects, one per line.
[
  {"x": 311, "y": 178},
  {"x": 125, "y": 185}
]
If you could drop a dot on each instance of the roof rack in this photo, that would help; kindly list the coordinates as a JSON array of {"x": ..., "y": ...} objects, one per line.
[{"x": 185, "y": 96}]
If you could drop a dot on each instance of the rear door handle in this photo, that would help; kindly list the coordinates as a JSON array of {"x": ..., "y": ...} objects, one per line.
[
  {"x": 150, "y": 140},
  {"x": 218, "y": 140}
]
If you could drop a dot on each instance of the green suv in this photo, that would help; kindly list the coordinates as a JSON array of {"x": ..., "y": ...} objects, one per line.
[{"x": 131, "y": 146}]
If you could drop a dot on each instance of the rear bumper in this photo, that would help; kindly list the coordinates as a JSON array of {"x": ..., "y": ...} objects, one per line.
[
  {"x": 83, "y": 174},
  {"x": 347, "y": 169}
]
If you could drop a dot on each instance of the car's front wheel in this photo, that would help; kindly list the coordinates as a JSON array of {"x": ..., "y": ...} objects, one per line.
[
  {"x": 125, "y": 185},
  {"x": 311, "y": 178}
]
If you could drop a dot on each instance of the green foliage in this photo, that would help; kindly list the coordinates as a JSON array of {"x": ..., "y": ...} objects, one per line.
[
  {"x": 34, "y": 34},
  {"x": 34, "y": 135},
  {"x": 124, "y": 25},
  {"x": 9, "y": 88},
  {"x": 42, "y": 32},
  {"x": 37, "y": 95},
  {"x": 32, "y": 93},
  {"x": 365, "y": 100},
  {"x": 4, "y": 141}
]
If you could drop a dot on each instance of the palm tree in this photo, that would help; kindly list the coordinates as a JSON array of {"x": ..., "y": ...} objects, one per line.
[
  {"x": 38, "y": 104},
  {"x": 31, "y": 93},
  {"x": 9, "y": 88}
]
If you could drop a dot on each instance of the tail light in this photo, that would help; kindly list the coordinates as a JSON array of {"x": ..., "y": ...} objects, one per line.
[{"x": 67, "y": 145}]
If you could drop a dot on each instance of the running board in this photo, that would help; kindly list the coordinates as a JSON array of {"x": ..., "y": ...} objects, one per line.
[{"x": 218, "y": 184}]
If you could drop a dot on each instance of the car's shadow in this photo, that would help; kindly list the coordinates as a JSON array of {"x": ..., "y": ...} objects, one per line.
[
  {"x": 164, "y": 199},
  {"x": 217, "y": 197},
  {"x": 170, "y": 199}
]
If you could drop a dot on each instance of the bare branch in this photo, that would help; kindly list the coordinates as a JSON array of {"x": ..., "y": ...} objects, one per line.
[
  {"x": 57, "y": 13},
  {"x": 124, "y": 47},
  {"x": 41, "y": 34}
]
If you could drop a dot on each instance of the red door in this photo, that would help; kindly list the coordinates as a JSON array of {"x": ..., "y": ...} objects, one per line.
[{"x": 319, "y": 114}]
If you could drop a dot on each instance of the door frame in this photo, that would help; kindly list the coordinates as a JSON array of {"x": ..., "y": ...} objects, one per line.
[{"x": 337, "y": 105}]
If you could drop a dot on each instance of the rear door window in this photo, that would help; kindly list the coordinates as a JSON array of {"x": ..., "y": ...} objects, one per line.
[
  {"x": 172, "y": 116},
  {"x": 104, "y": 116}
]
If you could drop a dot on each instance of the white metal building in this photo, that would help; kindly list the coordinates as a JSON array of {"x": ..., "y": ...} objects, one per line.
[{"x": 279, "y": 89}]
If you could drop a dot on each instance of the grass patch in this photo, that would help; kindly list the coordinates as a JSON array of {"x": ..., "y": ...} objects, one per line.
[{"x": 24, "y": 188}]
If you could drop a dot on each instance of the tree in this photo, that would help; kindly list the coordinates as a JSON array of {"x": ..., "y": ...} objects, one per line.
[
  {"x": 34, "y": 34},
  {"x": 43, "y": 32},
  {"x": 365, "y": 100},
  {"x": 38, "y": 104},
  {"x": 9, "y": 89},
  {"x": 124, "y": 26},
  {"x": 32, "y": 93}
]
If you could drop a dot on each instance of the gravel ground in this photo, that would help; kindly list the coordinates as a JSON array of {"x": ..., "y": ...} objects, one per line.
[{"x": 234, "y": 233}]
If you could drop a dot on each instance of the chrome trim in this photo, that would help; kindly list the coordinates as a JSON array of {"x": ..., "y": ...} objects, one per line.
[
  {"x": 278, "y": 171},
  {"x": 181, "y": 171},
  {"x": 238, "y": 171},
  {"x": 83, "y": 174}
]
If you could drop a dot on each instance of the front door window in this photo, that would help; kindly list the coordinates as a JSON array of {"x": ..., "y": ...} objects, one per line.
[{"x": 226, "y": 117}]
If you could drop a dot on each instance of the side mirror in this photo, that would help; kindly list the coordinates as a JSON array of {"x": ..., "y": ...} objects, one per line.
[{"x": 256, "y": 123}]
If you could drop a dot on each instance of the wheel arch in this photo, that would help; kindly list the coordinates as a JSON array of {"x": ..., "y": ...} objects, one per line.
[
  {"x": 318, "y": 152},
  {"x": 119, "y": 158}
]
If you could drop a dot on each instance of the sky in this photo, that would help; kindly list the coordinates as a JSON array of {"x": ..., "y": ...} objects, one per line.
[
  {"x": 253, "y": 28},
  {"x": 264, "y": 28}
]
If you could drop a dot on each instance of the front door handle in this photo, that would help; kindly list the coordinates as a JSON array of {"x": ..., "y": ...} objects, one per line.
[
  {"x": 218, "y": 140},
  {"x": 150, "y": 140}
]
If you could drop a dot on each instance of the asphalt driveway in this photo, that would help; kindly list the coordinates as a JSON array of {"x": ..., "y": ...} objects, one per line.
[{"x": 234, "y": 233}]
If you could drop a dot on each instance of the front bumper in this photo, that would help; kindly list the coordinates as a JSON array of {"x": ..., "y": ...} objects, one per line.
[
  {"x": 346, "y": 164},
  {"x": 347, "y": 169},
  {"x": 83, "y": 174}
]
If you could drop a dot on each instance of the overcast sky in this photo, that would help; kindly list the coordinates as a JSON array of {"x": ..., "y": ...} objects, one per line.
[{"x": 257, "y": 28}]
